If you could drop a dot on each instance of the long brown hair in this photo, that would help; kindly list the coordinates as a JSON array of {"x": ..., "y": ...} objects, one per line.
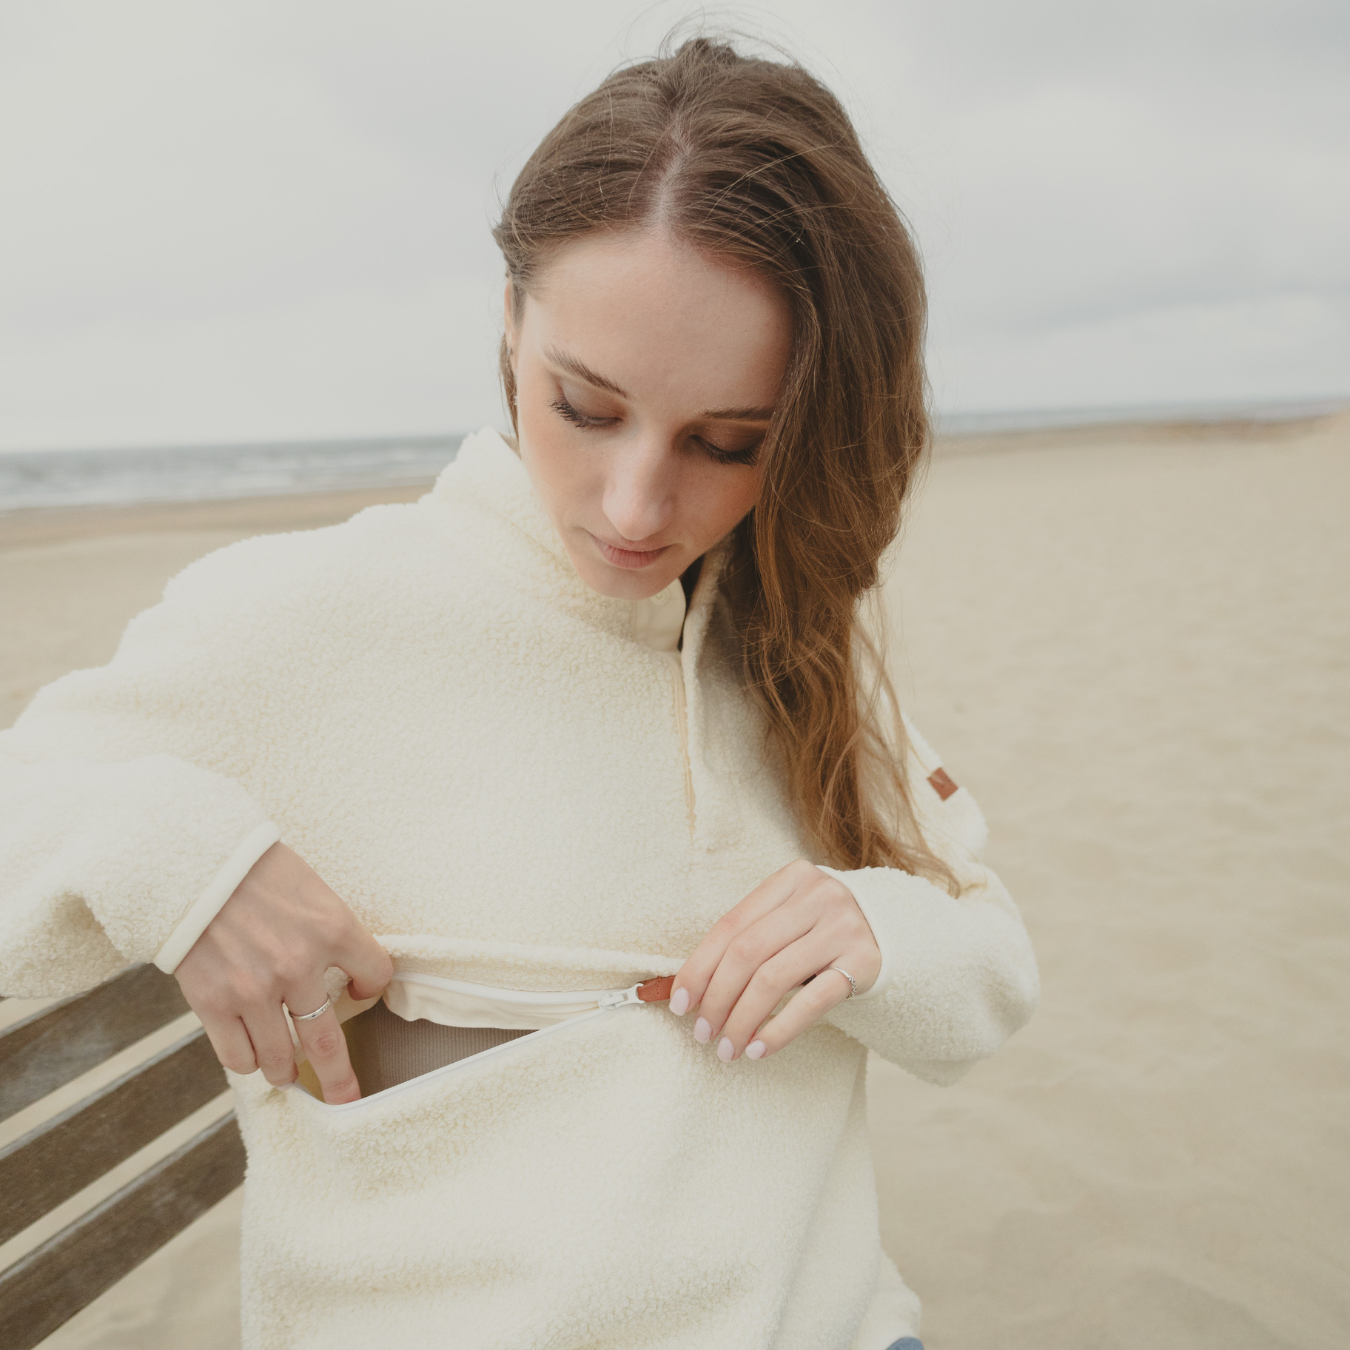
[{"x": 755, "y": 161}]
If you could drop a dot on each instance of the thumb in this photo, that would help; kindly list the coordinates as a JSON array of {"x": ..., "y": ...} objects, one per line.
[{"x": 368, "y": 965}]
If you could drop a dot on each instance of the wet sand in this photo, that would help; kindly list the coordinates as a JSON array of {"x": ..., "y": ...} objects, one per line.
[{"x": 1133, "y": 644}]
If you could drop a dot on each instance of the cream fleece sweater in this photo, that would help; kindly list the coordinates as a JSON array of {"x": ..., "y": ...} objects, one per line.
[{"x": 511, "y": 789}]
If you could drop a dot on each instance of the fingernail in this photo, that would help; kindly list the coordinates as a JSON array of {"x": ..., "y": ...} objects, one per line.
[
  {"x": 755, "y": 1049},
  {"x": 679, "y": 1002},
  {"x": 725, "y": 1050},
  {"x": 702, "y": 1031}
]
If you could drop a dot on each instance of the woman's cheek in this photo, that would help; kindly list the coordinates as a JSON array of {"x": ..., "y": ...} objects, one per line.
[{"x": 725, "y": 498}]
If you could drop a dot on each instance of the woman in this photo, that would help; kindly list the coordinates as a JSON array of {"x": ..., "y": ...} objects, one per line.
[{"x": 596, "y": 710}]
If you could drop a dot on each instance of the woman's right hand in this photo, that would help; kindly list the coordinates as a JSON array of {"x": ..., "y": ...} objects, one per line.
[{"x": 270, "y": 944}]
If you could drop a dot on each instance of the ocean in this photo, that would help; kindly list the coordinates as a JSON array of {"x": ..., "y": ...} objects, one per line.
[
  {"x": 117, "y": 477},
  {"x": 37, "y": 478}
]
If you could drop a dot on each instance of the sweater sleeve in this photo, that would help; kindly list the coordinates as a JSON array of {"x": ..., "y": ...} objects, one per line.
[
  {"x": 958, "y": 974},
  {"x": 123, "y": 825}
]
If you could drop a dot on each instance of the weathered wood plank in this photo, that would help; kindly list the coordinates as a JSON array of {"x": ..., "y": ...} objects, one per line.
[
  {"x": 63, "y": 1155},
  {"x": 50, "y": 1285},
  {"x": 47, "y": 1050}
]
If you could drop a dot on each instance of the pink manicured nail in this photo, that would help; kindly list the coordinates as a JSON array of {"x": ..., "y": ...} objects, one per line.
[
  {"x": 702, "y": 1031},
  {"x": 725, "y": 1050},
  {"x": 679, "y": 1002},
  {"x": 755, "y": 1049}
]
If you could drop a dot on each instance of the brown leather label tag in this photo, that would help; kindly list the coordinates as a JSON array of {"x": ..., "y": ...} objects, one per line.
[
  {"x": 942, "y": 785},
  {"x": 657, "y": 989}
]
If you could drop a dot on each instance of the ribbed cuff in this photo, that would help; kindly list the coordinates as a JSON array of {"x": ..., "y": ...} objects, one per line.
[
  {"x": 210, "y": 902},
  {"x": 867, "y": 905}
]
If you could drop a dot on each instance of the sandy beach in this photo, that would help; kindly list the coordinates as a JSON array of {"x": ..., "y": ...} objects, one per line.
[{"x": 1133, "y": 644}]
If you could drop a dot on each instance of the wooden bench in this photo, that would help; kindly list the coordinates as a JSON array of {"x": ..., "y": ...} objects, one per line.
[{"x": 58, "y": 1158}]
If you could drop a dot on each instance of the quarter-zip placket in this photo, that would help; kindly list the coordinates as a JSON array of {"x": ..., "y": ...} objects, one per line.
[
  {"x": 658, "y": 623},
  {"x": 682, "y": 723}
]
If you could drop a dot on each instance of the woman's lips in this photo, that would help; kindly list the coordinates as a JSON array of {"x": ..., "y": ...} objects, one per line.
[{"x": 628, "y": 557}]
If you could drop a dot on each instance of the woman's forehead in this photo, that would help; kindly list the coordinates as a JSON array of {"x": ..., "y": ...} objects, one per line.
[{"x": 647, "y": 314}]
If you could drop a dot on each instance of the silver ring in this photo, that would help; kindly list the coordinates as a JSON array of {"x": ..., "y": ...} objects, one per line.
[
  {"x": 852, "y": 983},
  {"x": 318, "y": 1012}
]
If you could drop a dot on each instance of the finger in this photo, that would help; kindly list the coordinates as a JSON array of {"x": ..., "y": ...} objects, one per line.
[
  {"x": 325, "y": 1047},
  {"x": 804, "y": 1010},
  {"x": 230, "y": 1041},
  {"x": 778, "y": 977},
  {"x": 366, "y": 963},
  {"x": 272, "y": 1045},
  {"x": 694, "y": 975},
  {"x": 747, "y": 954}
]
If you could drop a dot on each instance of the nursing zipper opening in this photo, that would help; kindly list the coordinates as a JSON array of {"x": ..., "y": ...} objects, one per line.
[
  {"x": 519, "y": 997},
  {"x": 654, "y": 990},
  {"x": 574, "y": 1007}
]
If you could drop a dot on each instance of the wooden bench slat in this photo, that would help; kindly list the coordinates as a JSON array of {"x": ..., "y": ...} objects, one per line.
[
  {"x": 45, "y": 1051},
  {"x": 63, "y": 1155},
  {"x": 50, "y": 1285}
]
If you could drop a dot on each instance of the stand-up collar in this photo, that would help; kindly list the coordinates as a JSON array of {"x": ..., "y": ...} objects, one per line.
[{"x": 489, "y": 471}]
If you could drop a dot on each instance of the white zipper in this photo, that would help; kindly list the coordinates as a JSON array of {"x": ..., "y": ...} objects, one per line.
[{"x": 607, "y": 1000}]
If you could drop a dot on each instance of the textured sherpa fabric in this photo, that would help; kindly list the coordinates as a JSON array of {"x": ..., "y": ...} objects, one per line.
[{"x": 473, "y": 750}]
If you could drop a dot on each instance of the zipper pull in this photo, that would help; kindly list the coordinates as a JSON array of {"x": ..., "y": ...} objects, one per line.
[{"x": 654, "y": 990}]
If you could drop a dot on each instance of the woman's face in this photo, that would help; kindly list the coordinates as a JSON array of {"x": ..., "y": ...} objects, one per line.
[{"x": 646, "y": 374}]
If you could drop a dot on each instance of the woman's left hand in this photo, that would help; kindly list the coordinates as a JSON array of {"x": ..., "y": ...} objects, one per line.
[{"x": 797, "y": 923}]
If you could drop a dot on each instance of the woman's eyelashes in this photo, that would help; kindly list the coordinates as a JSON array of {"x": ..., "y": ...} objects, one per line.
[
  {"x": 743, "y": 457},
  {"x": 584, "y": 420},
  {"x": 589, "y": 421}
]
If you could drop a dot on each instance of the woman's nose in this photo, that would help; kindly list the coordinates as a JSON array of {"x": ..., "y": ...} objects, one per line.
[{"x": 640, "y": 493}]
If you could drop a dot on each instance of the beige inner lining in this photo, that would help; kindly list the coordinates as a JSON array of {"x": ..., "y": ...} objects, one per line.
[{"x": 386, "y": 1050}]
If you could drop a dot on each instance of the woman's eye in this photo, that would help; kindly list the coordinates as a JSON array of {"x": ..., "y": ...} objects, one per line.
[
  {"x": 566, "y": 411},
  {"x": 588, "y": 421},
  {"x": 724, "y": 456}
]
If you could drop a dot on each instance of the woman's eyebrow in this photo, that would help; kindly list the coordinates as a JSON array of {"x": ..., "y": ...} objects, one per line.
[
  {"x": 737, "y": 414},
  {"x": 582, "y": 371}
]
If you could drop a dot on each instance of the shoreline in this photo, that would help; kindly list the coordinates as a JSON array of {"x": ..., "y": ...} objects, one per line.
[
  {"x": 29, "y": 526},
  {"x": 1140, "y": 433}
]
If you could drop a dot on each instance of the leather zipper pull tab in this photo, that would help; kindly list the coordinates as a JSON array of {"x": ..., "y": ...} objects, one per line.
[{"x": 655, "y": 990}]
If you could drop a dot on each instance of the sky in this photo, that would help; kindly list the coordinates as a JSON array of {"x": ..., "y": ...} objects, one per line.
[{"x": 269, "y": 219}]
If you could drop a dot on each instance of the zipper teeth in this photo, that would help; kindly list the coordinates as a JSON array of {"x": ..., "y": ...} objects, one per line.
[
  {"x": 446, "y": 1069},
  {"x": 522, "y": 996}
]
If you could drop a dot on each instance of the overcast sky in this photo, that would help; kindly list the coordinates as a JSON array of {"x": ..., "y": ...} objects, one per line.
[{"x": 249, "y": 219}]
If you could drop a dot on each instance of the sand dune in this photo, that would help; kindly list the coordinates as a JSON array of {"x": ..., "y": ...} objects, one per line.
[{"x": 1133, "y": 643}]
